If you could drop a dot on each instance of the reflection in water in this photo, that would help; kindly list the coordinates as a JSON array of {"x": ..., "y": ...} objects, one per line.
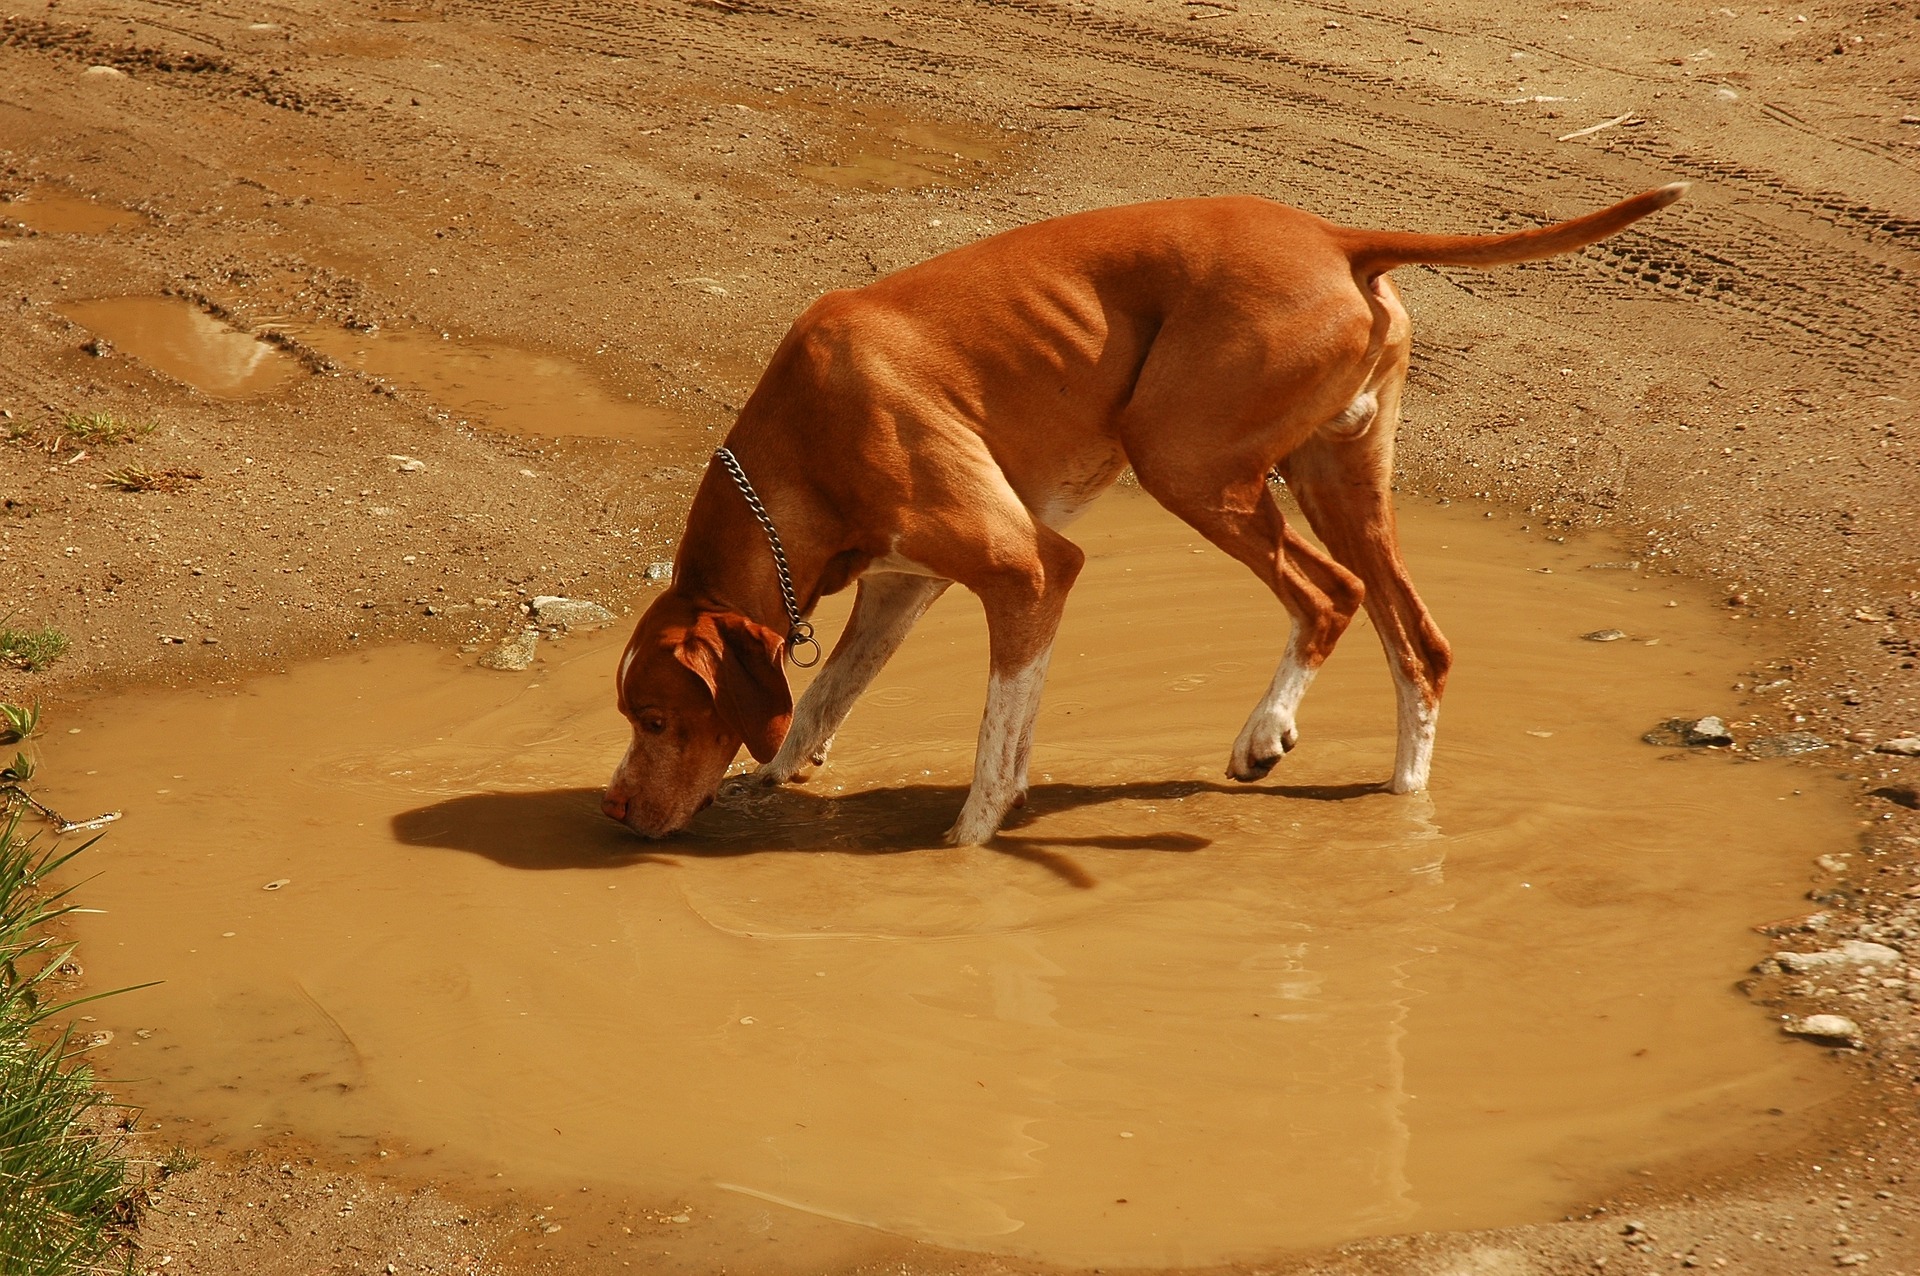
[
  {"x": 1163, "y": 1019},
  {"x": 176, "y": 337}
]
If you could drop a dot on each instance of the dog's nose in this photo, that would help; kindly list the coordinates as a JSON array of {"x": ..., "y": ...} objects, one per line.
[{"x": 614, "y": 806}]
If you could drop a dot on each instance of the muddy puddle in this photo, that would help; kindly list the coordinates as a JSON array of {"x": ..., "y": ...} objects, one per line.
[
  {"x": 522, "y": 391},
  {"x": 870, "y": 148},
  {"x": 1166, "y": 1020},
  {"x": 174, "y": 336},
  {"x": 53, "y": 211}
]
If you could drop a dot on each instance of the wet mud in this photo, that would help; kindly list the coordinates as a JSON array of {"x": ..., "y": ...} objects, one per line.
[{"x": 1164, "y": 1019}]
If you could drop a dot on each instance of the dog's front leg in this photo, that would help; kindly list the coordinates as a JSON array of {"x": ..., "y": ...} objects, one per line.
[
  {"x": 1006, "y": 743},
  {"x": 884, "y": 612},
  {"x": 1023, "y": 615}
]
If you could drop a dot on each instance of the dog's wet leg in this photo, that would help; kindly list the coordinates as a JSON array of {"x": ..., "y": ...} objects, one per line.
[
  {"x": 1024, "y": 600},
  {"x": 1344, "y": 489},
  {"x": 1321, "y": 597},
  {"x": 884, "y": 612}
]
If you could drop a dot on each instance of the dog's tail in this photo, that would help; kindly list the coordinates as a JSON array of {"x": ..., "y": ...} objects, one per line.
[{"x": 1374, "y": 252}]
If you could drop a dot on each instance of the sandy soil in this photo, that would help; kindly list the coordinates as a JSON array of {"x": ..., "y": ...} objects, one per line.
[{"x": 654, "y": 191}]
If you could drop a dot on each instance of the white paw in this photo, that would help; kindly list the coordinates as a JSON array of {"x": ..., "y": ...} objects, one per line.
[
  {"x": 973, "y": 828},
  {"x": 1259, "y": 749}
]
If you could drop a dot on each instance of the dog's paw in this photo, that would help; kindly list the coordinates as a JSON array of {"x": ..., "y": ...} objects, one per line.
[
  {"x": 1253, "y": 760},
  {"x": 971, "y": 829}
]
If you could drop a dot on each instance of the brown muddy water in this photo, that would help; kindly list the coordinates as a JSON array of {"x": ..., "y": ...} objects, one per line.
[
  {"x": 174, "y": 336},
  {"x": 522, "y": 391},
  {"x": 875, "y": 149},
  {"x": 1167, "y": 1019},
  {"x": 53, "y": 211}
]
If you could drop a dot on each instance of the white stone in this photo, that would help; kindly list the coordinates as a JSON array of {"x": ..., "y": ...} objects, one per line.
[
  {"x": 1824, "y": 1028},
  {"x": 569, "y": 613},
  {"x": 1853, "y": 952}
]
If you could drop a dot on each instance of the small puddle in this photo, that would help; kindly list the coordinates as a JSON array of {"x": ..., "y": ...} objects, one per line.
[
  {"x": 56, "y": 212},
  {"x": 174, "y": 336},
  {"x": 875, "y": 149},
  {"x": 1168, "y": 1020},
  {"x": 512, "y": 389}
]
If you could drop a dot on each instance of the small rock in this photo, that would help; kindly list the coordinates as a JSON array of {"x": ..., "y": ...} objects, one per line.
[
  {"x": 171, "y": 639},
  {"x": 106, "y": 72},
  {"x": 1694, "y": 732},
  {"x": 1633, "y": 566},
  {"x": 514, "y": 654},
  {"x": 569, "y": 613},
  {"x": 659, "y": 571},
  {"x": 1854, "y": 952},
  {"x": 1788, "y": 745},
  {"x": 1605, "y": 635},
  {"x": 1906, "y": 746},
  {"x": 407, "y": 464},
  {"x": 1827, "y": 1028},
  {"x": 277, "y": 883},
  {"x": 98, "y": 347}
]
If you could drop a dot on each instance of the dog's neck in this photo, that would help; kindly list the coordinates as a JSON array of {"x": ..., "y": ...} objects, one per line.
[{"x": 726, "y": 561}]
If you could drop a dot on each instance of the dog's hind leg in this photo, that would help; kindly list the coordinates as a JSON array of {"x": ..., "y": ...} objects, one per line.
[
  {"x": 1239, "y": 515},
  {"x": 1344, "y": 490},
  {"x": 884, "y": 611}
]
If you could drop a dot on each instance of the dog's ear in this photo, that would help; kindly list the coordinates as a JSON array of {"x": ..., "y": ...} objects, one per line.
[{"x": 739, "y": 661}]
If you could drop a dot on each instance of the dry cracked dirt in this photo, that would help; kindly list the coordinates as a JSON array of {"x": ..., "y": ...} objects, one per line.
[{"x": 628, "y": 203}]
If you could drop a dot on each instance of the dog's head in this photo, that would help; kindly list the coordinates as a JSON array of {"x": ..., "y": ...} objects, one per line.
[{"x": 696, "y": 685}]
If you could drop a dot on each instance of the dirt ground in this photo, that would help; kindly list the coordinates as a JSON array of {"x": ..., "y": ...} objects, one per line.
[{"x": 654, "y": 191}]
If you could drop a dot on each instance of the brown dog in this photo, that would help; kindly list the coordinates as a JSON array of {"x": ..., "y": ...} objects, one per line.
[{"x": 944, "y": 423}]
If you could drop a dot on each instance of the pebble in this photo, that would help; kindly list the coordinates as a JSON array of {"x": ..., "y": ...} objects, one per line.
[
  {"x": 1824, "y": 1028},
  {"x": 659, "y": 571},
  {"x": 407, "y": 464},
  {"x": 1906, "y": 746},
  {"x": 277, "y": 883},
  {"x": 513, "y": 654},
  {"x": 1787, "y": 746},
  {"x": 1605, "y": 635},
  {"x": 550, "y": 609},
  {"x": 1696, "y": 732},
  {"x": 106, "y": 72},
  {"x": 1854, "y": 952}
]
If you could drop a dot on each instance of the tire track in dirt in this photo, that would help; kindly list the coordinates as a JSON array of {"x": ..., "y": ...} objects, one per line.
[{"x": 209, "y": 76}]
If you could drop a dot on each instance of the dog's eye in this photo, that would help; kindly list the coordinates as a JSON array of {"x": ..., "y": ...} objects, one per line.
[{"x": 652, "y": 722}]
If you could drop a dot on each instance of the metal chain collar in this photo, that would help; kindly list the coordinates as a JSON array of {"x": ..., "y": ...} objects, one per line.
[{"x": 799, "y": 632}]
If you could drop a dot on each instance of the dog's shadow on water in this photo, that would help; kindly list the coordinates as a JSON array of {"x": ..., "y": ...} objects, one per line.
[{"x": 564, "y": 828}]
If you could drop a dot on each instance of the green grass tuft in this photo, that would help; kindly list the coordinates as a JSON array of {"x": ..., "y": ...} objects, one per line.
[
  {"x": 65, "y": 1200},
  {"x": 17, "y": 722},
  {"x": 98, "y": 429},
  {"x": 32, "y": 649}
]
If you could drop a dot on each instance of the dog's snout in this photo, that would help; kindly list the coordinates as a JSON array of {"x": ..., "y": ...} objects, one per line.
[{"x": 614, "y": 806}]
